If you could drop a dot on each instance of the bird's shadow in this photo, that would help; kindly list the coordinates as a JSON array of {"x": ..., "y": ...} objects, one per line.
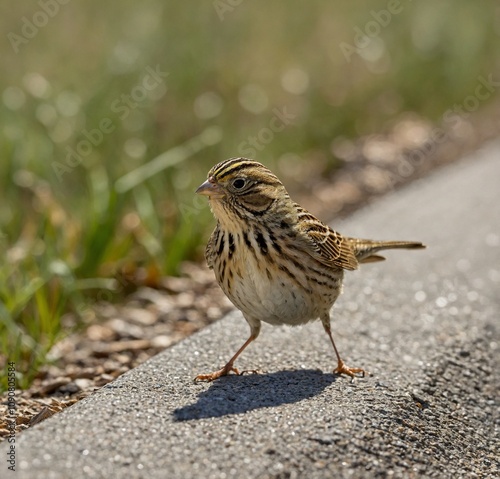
[{"x": 238, "y": 394}]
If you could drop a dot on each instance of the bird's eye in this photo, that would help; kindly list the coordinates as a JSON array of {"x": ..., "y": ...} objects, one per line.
[{"x": 239, "y": 183}]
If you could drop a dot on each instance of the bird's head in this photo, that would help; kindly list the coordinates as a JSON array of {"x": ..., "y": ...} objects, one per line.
[{"x": 242, "y": 188}]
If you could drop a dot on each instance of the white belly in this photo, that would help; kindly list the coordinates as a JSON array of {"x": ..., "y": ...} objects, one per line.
[
  {"x": 272, "y": 302},
  {"x": 276, "y": 301}
]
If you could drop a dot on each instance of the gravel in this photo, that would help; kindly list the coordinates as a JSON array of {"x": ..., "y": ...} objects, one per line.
[{"x": 424, "y": 323}]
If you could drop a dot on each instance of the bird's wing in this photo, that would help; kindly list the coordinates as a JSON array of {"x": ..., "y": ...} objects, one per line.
[{"x": 325, "y": 245}]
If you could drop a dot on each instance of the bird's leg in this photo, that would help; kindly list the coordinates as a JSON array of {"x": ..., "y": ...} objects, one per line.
[
  {"x": 229, "y": 366},
  {"x": 341, "y": 367}
]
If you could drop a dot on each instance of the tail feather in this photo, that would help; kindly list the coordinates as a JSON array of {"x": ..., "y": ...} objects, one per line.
[
  {"x": 365, "y": 250},
  {"x": 374, "y": 258}
]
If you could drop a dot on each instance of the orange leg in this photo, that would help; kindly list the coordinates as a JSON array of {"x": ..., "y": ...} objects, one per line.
[
  {"x": 341, "y": 367},
  {"x": 228, "y": 367}
]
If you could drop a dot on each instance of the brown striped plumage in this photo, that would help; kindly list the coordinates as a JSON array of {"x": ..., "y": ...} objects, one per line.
[{"x": 274, "y": 260}]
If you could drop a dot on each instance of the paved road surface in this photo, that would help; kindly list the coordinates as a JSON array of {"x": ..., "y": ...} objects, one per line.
[{"x": 424, "y": 323}]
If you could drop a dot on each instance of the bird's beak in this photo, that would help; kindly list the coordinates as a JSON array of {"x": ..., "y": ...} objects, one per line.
[{"x": 211, "y": 189}]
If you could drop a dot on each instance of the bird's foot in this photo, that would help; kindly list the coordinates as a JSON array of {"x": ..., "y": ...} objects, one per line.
[
  {"x": 251, "y": 371},
  {"x": 218, "y": 374},
  {"x": 343, "y": 369}
]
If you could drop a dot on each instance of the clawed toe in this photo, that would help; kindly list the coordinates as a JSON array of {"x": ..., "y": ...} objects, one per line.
[
  {"x": 251, "y": 371},
  {"x": 217, "y": 374},
  {"x": 343, "y": 369}
]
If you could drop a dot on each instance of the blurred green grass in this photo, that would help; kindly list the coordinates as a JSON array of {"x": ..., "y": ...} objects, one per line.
[{"x": 69, "y": 223}]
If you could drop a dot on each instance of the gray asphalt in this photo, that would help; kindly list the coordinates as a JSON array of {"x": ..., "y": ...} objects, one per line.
[{"x": 424, "y": 323}]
